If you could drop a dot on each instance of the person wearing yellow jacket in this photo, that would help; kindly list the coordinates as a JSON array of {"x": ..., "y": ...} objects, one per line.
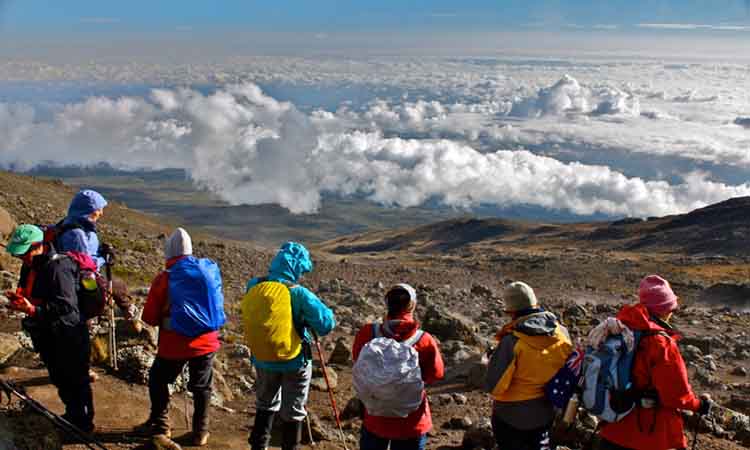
[{"x": 531, "y": 349}]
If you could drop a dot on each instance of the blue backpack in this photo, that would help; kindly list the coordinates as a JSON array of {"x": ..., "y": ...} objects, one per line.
[
  {"x": 196, "y": 300},
  {"x": 608, "y": 391}
]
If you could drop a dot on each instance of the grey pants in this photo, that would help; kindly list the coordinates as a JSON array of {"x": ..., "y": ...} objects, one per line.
[{"x": 284, "y": 391}]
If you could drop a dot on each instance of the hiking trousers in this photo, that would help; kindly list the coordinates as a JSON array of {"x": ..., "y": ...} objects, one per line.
[
  {"x": 284, "y": 392},
  {"x": 164, "y": 372},
  {"x": 65, "y": 351},
  {"x": 511, "y": 438}
]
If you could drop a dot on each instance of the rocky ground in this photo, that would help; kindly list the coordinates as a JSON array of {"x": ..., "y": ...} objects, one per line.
[{"x": 459, "y": 303}]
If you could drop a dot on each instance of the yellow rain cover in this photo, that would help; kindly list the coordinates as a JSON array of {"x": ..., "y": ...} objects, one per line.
[{"x": 267, "y": 319}]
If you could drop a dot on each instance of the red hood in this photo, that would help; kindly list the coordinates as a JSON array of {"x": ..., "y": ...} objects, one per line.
[
  {"x": 637, "y": 318},
  {"x": 402, "y": 326}
]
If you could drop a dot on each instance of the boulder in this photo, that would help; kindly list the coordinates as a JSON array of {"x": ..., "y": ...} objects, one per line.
[
  {"x": 9, "y": 345},
  {"x": 134, "y": 363},
  {"x": 7, "y": 224},
  {"x": 447, "y": 325},
  {"x": 342, "y": 353},
  {"x": 471, "y": 372}
]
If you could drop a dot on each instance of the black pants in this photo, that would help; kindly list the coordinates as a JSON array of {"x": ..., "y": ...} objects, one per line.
[
  {"x": 165, "y": 371},
  {"x": 510, "y": 438},
  {"x": 65, "y": 351}
]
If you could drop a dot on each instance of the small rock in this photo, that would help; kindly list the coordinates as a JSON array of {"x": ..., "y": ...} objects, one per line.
[
  {"x": 9, "y": 345},
  {"x": 318, "y": 382},
  {"x": 479, "y": 435},
  {"x": 739, "y": 371},
  {"x": 353, "y": 409},
  {"x": 444, "y": 399},
  {"x": 459, "y": 423},
  {"x": 460, "y": 399}
]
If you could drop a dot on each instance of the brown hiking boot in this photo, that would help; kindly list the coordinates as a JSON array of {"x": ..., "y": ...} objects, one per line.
[
  {"x": 163, "y": 442},
  {"x": 151, "y": 428},
  {"x": 200, "y": 438},
  {"x": 93, "y": 376}
]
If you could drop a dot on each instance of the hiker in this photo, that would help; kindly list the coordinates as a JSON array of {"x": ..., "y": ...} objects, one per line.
[
  {"x": 406, "y": 429},
  {"x": 531, "y": 349},
  {"x": 47, "y": 294},
  {"x": 77, "y": 233},
  {"x": 277, "y": 315},
  {"x": 186, "y": 289},
  {"x": 658, "y": 369}
]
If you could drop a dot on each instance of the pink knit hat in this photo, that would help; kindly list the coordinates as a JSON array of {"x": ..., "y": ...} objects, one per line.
[{"x": 656, "y": 293}]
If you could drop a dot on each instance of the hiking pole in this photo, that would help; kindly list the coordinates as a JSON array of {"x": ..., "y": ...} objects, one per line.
[
  {"x": 112, "y": 333},
  {"x": 309, "y": 431},
  {"x": 330, "y": 391},
  {"x": 91, "y": 443}
]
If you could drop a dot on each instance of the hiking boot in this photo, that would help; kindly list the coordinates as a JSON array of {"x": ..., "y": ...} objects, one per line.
[
  {"x": 291, "y": 435},
  {"x": 164, "y": 442},
  {"x": 93, "y": 376},
  {"x": 261, "y": 434},
  {"x": 200, "y": 438},
  {"x": 153, "y": 428}
]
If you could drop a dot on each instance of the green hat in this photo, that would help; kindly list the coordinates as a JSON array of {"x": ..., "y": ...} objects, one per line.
[{"x": 23, "y": 238}]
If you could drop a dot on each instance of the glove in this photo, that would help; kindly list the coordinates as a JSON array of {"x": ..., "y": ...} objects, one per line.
[
  {"x": 706, "y": 405},
  {"x": 130, "y": 312},
  {"x": 21, "y": 304}
]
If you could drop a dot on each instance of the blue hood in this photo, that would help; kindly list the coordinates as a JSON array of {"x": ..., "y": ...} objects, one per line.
[
  {"x": 84, "y": 203},
  {"x": 292, "y": 261}
]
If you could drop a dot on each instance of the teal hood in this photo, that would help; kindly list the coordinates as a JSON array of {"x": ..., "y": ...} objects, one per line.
[{"x": 292, "y": 261}]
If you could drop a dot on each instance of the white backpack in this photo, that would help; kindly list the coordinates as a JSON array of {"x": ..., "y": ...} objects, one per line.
[{"x": 387, "y": 377}]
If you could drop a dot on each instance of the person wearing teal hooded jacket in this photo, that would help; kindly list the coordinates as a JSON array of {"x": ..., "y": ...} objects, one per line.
[{"x": 283, "y": 387}]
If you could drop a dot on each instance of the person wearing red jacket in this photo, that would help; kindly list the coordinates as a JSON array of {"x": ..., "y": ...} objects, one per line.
[
  {"x": 658, "y": 367},
  {"x": 176, "y": 350},
  {"x": 409, "y": 433}
]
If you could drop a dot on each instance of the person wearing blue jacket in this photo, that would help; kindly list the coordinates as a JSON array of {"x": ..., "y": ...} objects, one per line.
[
  {"x": 79, "y": 226},
  {"x": 283, "y": 387},
  {"x": 78, "y": 234}
]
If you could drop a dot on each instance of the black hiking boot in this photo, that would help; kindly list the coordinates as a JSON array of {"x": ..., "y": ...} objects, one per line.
[
  {"x": 292, "y": 435},
  {"x": 261, "y": 434}
]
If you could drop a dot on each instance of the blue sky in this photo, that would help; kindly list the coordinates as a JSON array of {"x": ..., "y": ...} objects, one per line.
[{"x": 71, "y": 16}]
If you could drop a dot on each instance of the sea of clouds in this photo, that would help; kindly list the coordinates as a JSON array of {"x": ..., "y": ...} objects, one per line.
[{"x": 621, "y": 138}]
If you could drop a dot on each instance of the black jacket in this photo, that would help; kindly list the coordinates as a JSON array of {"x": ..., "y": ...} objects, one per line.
[{"x": 55, "y": 286}]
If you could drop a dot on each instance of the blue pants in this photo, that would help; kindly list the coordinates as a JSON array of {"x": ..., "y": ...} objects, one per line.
[{"x": 369, "y": 441}]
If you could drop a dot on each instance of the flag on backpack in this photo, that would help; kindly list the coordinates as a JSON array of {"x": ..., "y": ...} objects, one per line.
[
  {"x": 196, "y": 299},
  {"x": 563, "y": 385},
  {"x": 269, "y": 326},
  {"x": 387, "y": 377}
]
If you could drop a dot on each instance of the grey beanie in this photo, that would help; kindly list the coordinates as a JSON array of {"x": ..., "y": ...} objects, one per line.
[
  {"x": 178, "y": 244},
  {"x": 519, "y": 296}
]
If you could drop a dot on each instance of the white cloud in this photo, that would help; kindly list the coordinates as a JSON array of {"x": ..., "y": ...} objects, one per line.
[{"x": 250, "y": 148}]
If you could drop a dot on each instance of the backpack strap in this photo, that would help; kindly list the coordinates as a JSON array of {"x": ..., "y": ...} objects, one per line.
[
  {"x": 416, "y": 337},
  {"x": 376, "y": 333}
]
